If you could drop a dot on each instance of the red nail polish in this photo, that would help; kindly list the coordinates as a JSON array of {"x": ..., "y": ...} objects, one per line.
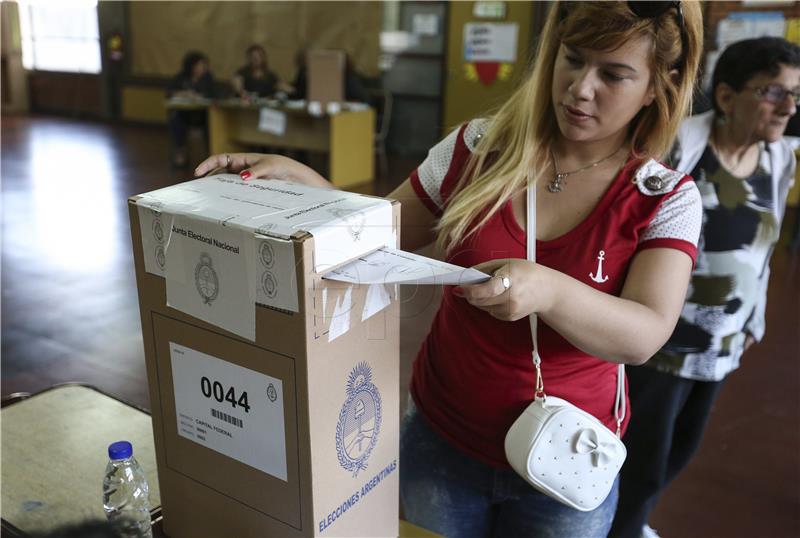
[{"x": 245, "y": 174}]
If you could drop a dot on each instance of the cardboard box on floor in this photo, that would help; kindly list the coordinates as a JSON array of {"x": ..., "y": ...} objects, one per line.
[{"x": 291, "y": 430}]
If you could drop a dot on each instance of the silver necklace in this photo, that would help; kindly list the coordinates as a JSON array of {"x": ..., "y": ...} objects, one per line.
[{"x": 557, "y": 183}]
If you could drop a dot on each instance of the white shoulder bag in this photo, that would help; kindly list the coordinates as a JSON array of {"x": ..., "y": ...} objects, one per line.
[{"x": 560, "y": 449}]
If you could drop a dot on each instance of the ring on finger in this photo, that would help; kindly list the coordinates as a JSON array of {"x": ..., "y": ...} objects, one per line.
[
  {"x": 227, "y": 160},
  {"x": 506, "y": 281}
]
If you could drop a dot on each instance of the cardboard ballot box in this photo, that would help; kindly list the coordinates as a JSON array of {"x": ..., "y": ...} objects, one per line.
[{"x": 274, "y": 393}]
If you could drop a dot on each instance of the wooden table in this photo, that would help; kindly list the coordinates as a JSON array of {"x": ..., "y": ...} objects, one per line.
[
  {"x": 347, "y": 137},
  {"x": 54, "y": 447},
  {"x": 187, "y": 103}
]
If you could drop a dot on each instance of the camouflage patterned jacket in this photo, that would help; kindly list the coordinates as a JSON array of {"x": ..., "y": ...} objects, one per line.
[{"x": 727, "y": 294}]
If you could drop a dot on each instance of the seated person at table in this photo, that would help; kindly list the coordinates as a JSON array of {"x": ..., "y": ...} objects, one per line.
[
  {"x": 193, "y": 82},
  {"x": 300, "y": 82},
  {"x": 255, "y": 77}
]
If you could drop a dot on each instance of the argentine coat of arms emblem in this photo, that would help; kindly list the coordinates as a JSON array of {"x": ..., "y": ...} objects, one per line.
[{"x": 359, "y": 420}]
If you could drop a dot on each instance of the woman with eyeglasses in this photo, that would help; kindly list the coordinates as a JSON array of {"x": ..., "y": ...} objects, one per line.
[
  {"x": 616, "y": 239},
  {"x": 743, "y": 167}
]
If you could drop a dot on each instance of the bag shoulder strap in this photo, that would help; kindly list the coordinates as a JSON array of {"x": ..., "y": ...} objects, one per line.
[{"x": 619, "y": 404}]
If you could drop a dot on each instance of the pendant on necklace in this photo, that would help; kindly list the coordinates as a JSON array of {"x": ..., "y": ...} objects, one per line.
[{"x": 557, "y": 184}]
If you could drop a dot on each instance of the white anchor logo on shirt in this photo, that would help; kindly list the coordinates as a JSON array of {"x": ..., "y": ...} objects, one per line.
[{"x": 599, "y": 278}]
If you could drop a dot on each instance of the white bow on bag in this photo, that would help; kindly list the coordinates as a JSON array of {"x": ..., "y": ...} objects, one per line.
[{"x": 602, "y": 453}]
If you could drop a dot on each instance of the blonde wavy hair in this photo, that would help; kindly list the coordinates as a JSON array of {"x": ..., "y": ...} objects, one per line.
[{"x": 519, "y": 135}]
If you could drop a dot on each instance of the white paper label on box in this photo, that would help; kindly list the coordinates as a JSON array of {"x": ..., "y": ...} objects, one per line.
[
  {"x": 156, "y": 231},
  {"x": 210, "y": 274},
  {"x": 425, "y": 24},
  {"x": 232, "y": 410},
  {"x": 272, "y": 121},
  {"x": 276, "y": 277},
  {"x": 344, "y": 225}
]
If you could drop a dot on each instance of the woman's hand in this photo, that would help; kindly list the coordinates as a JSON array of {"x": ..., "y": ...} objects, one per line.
[
  {"x": 260, "y": 165},
  {"x": 627, "y": 329},
  {"x": 527, "y": 290}
]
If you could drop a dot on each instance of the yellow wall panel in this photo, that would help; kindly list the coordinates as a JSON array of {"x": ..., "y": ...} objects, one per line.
[{"x": 144, "y": 104}]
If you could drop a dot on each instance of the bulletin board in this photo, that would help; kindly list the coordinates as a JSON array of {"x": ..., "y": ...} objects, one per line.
[{"x": 716, "y": 11}]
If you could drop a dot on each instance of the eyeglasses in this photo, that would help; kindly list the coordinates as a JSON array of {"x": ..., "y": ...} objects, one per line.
[
  {"x": 776, "y": 94},
  {"x": 651, "y": 10}
]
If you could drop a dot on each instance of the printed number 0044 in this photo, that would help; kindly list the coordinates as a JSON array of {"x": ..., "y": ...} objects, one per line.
[{"x": 217, "y": 391}]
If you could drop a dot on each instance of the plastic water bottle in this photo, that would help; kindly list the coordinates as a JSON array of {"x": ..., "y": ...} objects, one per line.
[{"x": 126, "y": 495}]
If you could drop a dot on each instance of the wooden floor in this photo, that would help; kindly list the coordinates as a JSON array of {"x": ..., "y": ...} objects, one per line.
[{"x": 69, "y": 313}]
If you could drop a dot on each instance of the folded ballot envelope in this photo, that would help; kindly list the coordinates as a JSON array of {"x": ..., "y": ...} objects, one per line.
[{"x": 274, "y": 392}]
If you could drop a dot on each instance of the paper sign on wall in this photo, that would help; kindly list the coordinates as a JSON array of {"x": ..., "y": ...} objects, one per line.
[
  {"x": 233, "y": 410},
  {"x": 490, "y": 42},
  {"x": 489, "y": 10}
]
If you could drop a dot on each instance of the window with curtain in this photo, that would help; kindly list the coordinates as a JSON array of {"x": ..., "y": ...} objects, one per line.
[{"x": 61, "y": 36}]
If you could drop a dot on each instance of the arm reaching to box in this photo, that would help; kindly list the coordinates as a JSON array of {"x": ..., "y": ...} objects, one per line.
[
  {"x": 418, "y": 220},
  {"x": 264, "y": 166}
]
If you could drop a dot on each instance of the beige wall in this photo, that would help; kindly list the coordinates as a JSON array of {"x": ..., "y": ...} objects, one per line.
[{"x": 161, "y": 32}]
